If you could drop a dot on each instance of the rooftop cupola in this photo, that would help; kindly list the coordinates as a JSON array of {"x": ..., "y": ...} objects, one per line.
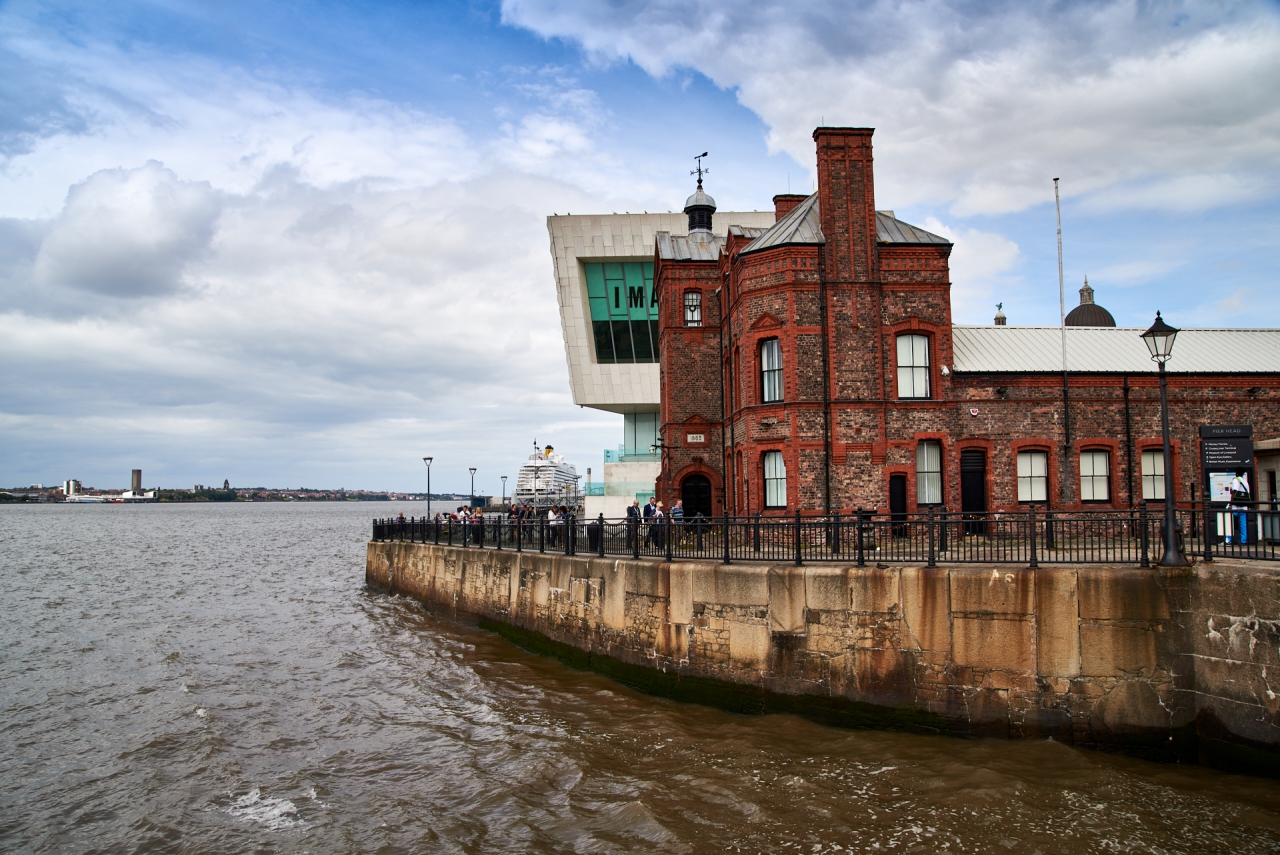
[
  {"x": 1001, "y": 320},
  {"x": 1089, "y": 313},
  {"x": 700, "y": 207}
]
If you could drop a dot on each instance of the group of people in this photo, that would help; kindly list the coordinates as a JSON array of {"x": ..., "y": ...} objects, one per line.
[{"x": 654, "y": 516}]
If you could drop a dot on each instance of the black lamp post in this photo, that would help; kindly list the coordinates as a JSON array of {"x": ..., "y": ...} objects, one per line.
[
  {"x": 504, "y": 489},
  {"x": 1159, "y": 340},
  {"x": 427, "y": 460},
  {"x": 472, "y": 470}
]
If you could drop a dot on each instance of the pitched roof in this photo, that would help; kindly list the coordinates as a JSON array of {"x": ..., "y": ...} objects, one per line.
[
  {"x": 1114, "y": 350},
  {"x": 681, "y": 248},
  {"x": 799, "y": 226},
  {"x": 889, "y": 229},
  {"x": 802, "y": 226}
]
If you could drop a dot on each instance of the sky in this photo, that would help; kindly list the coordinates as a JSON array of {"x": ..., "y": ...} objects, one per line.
[{"x": 304, "y": 244}]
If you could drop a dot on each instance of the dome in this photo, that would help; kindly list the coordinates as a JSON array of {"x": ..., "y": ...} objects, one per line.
[
  {"x": 699, "y": 200},
  {"x": 1089, "y": 313}
]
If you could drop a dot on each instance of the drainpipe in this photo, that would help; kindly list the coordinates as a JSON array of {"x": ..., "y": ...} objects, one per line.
[{"x": 826, "y": 383}]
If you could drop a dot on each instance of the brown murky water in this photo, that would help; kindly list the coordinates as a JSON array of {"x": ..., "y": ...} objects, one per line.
[{"x": 216, "y": 679}]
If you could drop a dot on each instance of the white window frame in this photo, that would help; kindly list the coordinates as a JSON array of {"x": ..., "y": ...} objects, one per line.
[
  {"x": 1095, "y": 475},
  {"x": 775, "y": 479},
  {"x": 929, "y": 472},
  {"x": 693, "y": 308},
  {"x": 770, "y": 371},
  {"x": 913, "y": 366},
  {"x": 1153, "y": 475},
  {"x": 1033, "y": 476}
]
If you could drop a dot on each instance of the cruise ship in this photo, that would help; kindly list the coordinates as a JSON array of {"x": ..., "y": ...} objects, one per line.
[{"x": 546, "y": 479}]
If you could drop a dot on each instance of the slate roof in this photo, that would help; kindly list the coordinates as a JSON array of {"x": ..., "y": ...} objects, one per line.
[
  {"x": 1115, "y": 350},
  {"x": 802, "y": 226},
  {"x": 681, "y": 248}
]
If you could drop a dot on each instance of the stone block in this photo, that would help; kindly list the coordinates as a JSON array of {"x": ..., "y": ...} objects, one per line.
[
  {"x": 1245, "y": 682},
  {"x": 540, "y": 588},
  {"x": 1110, "y": 650},
  {"x": 1057, "y": 623},
  {"x": 732, "y": 585},
  {"x": 989, "y": 712},
  {"x": 873, "y": 590},
  {"x": 786, "y": 599},
  {"x": 680, "y": 585},
  {"x": 1132, "y": 708},
  {"x": 994, "y": 642},
  {"x": 614, "y": 595},
  {"x": 926, "y": 608},
  {"x": 995, "y": 591},
  {"x": 826, "y": 588},
  {"x": 642, "y": 578},
  {"x": 748, "y": 645},
  {"x": 1121, "y": 594}
]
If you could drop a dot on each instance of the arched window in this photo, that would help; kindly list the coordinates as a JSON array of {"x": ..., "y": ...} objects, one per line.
[
  {"x": 913, "y": 366},
  {"x": 775, "y": 480},
  {"x": 693, "y": 308},
  {"x": 1033, "y": 476},
  {"x": 929, "y": 473},
  {"x": 770, "y": 371},
  {"x": 1095, "y": 476}
]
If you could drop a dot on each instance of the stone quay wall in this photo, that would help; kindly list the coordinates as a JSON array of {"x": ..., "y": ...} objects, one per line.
[{"x": 1173, "y": 664}]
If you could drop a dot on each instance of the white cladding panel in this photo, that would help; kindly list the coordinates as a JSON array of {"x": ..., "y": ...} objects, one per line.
[{"x": 625, "y": 388}]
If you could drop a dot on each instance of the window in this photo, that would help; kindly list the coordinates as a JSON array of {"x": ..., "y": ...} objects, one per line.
[
  {"x": 1153, "y": 475},
  {"x": 693, "y": 308},
  {"x": 929, "y": 473},
  {"x": 1033, "y": 476},
  {"x": 913, "y": 366},
  {"x": 1095, "y": 476},
  {"x": 775, "y": 480},
  {"x": 770, "y": 371},
  {"x": 624, "y": 311}
]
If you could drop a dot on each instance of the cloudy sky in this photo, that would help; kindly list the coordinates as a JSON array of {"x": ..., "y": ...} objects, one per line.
[{"x": 304, "y": 244}]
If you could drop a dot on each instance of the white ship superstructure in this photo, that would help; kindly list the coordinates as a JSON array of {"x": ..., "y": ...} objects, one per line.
[{"x": 546, "y": 479}]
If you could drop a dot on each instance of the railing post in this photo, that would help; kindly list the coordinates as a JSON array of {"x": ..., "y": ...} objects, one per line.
[
  {"x": 1208, "y": 526},
  {"x": 1142, "y": 524},
  {"x": 799, "y": 541},
  {"x": 726, "y": 535},
  {"x": 633, "y": 523},
  {"x": 698, "y": 525},
  {"x": 1031, "y": 516},
  {"x": 570, "y": 535},
  {"x": 451, "y": 531},
  {"x": 835, "y": 533},
  {"x": 1050, "y": 540},
  {"x": 943, "y": 545},
  {"x": 862, "y": 558},
  {"x": 436, "y": 525},
  {"x": 933, "y": 555},
  {"x": 666, "y": 534},
  {"x": 600, "y": 536},
  {"x": 519, "y": 534},
  {"x": 755, "y": 534},
  {"x": 499, "y": 537},
  {"x": 542, "y": 534}
]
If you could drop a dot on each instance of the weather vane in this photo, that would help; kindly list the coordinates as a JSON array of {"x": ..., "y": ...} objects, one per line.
[
  {"x": 699, "y": 171},
  {"x": 999, "y": 307}
]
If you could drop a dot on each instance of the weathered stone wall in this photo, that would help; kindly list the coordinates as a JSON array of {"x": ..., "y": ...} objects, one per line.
[{"x": 1170, "y": 664}]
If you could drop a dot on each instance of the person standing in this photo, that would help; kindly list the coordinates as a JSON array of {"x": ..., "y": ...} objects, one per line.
[
  {"x": 633, "y": 522},
  {"x": 677, "y": 520},
  {"x": 1239, "y": 488},
  {"x": 655, "y": 526}
]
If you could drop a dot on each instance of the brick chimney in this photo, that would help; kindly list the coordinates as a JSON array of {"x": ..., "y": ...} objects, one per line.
[
  {"x": 847, "y": 202},
  {"x": 785, "y": 203}
]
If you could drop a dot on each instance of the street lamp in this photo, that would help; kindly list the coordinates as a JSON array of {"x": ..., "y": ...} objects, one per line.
[
  {"x": 1159, "y": 340},
  {"x": 427, "y": 460},
  {"x": 504, "y": 490},
  {"x": 472, "y": 470}
]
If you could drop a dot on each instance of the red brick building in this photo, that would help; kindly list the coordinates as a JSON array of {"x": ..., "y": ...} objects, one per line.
[{"x": 814, "y": 366}]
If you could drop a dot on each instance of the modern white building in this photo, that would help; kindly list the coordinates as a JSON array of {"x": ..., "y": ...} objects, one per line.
[{"x": 609, "y": 316}]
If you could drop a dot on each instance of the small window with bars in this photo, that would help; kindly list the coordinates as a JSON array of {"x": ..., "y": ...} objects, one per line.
[{"x": 693, "y": 308}]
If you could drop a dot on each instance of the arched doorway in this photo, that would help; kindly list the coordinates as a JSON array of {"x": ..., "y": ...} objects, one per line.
[{"x": 695, "y": 492}]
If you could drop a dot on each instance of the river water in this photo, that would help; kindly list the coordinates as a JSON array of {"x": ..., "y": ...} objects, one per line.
[{"x": 217, "y": 679}]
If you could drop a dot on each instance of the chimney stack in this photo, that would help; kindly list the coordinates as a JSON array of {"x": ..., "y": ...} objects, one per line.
[
  {"x": 137, "y": 481},
  {"x": 847, "y": 202},
  {"x": 785, "y": 203}
]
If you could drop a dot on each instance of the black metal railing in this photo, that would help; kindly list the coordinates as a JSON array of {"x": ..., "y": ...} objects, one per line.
[{"x": 1032, "y": 536}]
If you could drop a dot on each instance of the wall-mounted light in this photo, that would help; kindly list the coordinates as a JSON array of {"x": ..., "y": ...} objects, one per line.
[{"x": 1003, "y": 391}]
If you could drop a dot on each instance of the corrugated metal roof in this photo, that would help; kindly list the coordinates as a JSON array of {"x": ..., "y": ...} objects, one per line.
[
  {"x": 799, "y": 226},
  {"x": 748, "y": 232},
  {"x": 1113, "y": 350},
  {"x": 681, "y": 248},
  {"x": 889, "y": 229}
]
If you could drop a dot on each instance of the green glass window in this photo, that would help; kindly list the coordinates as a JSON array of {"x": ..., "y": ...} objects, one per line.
[{"x": 624, "y": 311}]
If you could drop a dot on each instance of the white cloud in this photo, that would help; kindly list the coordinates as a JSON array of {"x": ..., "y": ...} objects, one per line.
[
  {"x": 979, "y": 106},
  {"x": 1131, "y": 273},
  {"x": 128, "y": 233},
  {"x": 980, "y": 266}
]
